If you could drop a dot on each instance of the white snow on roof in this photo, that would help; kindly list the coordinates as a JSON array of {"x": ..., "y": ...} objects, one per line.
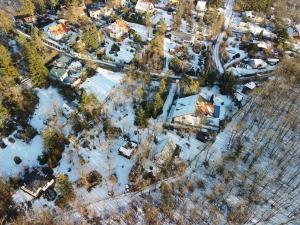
[
  {"x": 185, "y": 106},
  {"x": 102, "y": 83},
  {"x": 144, "y": 5},
  {"x": 251, "y": 85},
  {"x": 201, "y": 6}
]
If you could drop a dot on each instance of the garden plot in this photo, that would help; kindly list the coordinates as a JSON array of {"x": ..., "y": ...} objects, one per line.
[{"x": 125, "y": 53}]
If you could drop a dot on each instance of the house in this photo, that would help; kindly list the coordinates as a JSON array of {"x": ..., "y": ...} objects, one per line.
[
  {"x": 35, "y": 183},
  {"x": 182, "y": 37},
  {"x": 273, "y": 61},
  {"x": 118, "y": 29},
  {"x": 143, "y": 6},
  {"x": 127, "y": 149},
  {"x": 164, "y": 151},
  {"x": 191, "y": 110},
  {"x": 249, "y": 87},
  {"x": 56, "y": 30},
  {"x": 63, "y": 61},
  {"x": 201, "y": 6},
  {"x": 257, "y": 63},
  {"x": 30, "y": 19},
  {"x": 57, "y": 73},
  {"x": 95, "y": 13}
]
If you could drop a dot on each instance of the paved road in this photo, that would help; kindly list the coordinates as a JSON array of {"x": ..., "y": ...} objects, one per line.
[{"x": 216, "y": 50}]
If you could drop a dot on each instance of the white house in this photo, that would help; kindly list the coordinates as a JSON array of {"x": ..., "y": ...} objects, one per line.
[
  {"x": 95, "y": 13},
  {"x": 143, "y": 6},
  {"x": 118, "y": 29},
  {"x": 201, "y": 6},
  {"x": 182, "y": 38},
  {"x": 190, "y": 110},
  {"x": 257, "y": 63},
  {"x": 128, "y": 149}
]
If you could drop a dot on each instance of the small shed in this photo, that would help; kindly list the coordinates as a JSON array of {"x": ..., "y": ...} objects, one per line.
[{"x": 128, "y": 149}]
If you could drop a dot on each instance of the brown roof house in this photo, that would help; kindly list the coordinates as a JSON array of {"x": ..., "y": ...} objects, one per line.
[{"x": 191, "y": 110}]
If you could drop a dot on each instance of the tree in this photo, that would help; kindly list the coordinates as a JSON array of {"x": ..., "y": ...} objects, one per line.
[
  {"x": 53, "y": 3},
  {"x": 141, "y": 119},
  {"x": 157, "y": 104},
  {"x": 5, "y": 200},
  {"x": 91, "y": 38},
  {"x": 162, "y": 86},
  {"x": 209, "y": 77},
  {"x": 36, "y": 38},
  {"x": 37, "y": 70},
  {"x": 281, "y": 32},
  {"x": 6, "y": 66},
  {"x": 162, "y": 27},
  {"x": 4, "y": 116},
  {"x": 54, "y": 144},
  {"x": 72, "y": 2},
  {"x": 28, "y": 7},
  {"x": 89, "y": 106},
  {"x": 66, "y": 190},
  {"x": 40, "y": 5},
  {"x": 189, "y": 85},
  {"x": 227, "y": 83},
  {"x": 6, "y": 24}
]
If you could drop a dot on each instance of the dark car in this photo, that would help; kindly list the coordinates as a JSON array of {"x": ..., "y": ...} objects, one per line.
[{"x": 203, "y": 137}]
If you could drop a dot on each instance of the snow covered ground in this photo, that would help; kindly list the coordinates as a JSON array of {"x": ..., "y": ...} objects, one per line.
[
  {"x": 102, "y": 83},
  {"x": 126, "y": 53},
  {"x": 50, "y": 103},
  {"x": 142, "y": 30}
]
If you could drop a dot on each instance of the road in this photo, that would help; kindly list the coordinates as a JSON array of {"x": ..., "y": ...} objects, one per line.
[{"x": 216, "y": 50}]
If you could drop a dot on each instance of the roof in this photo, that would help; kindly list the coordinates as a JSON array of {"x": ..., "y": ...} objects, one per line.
[
  {"x": 144, "y": 5},
  {"x": 185, "y": 106},
  {"x": 182, "y": 35},
  {"x": 122, "y": 25},
  {"x": 239, "y": 97},
  {"x": 57, "y": 73},
  {"x": 217, "y": 110},
  {"x": 64, "y": 59},
  {"x": 201, "y": 5},
  {"x": 251, "y": 85},
  {"x": 128, "y": 149}
]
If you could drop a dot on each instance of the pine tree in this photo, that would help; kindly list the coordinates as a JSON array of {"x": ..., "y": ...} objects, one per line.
[
  {"x": 227, "y": 83},
  {"x": 6, "y": 24},
  {"x": 91, "y": 38},
  {"x": 28, "y": 7},
  {"x": 162, "y": 86},
  {"x": 37, "y": 70},
  {"x": 141, "y": 119},
  {"x": 158, "y": 104},
  {"x": 6, "y": 66},
  {"x": 4, "y": 116}
]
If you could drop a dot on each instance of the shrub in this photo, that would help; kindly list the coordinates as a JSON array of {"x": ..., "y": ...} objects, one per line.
[{"x": 17, "y": 160}]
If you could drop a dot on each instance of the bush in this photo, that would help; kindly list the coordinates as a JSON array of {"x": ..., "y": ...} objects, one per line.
[
  {"x": 115, "y": 48},
  {"x": 17, "y": 160}
]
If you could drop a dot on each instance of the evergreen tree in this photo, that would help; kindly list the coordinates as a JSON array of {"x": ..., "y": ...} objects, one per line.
[
  {"x": 6, "y": 24},
  {"x": 91, "y": 38},
  {"x": 189, "y": 85},
  {"x": 157, "y": 104},
  {"x": 36, "y": 38},
  {"x": 141, "y": 119},
  {"x": 65, "y": 189},
  {"x": 28, "y": 7},
  {"x": 4, "y": 116},
  {"x": 53, "y": 3},
  {"x": 162, "y": 86},
  {"x": 227, "y": 83},
  {"x": 72, "y": 2},
  {"x": 37, "y": 70},
  {"x": 40, "y": 5},
  {"x": 162, "y": 27},
  {"x": 6, "y": 66}
]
